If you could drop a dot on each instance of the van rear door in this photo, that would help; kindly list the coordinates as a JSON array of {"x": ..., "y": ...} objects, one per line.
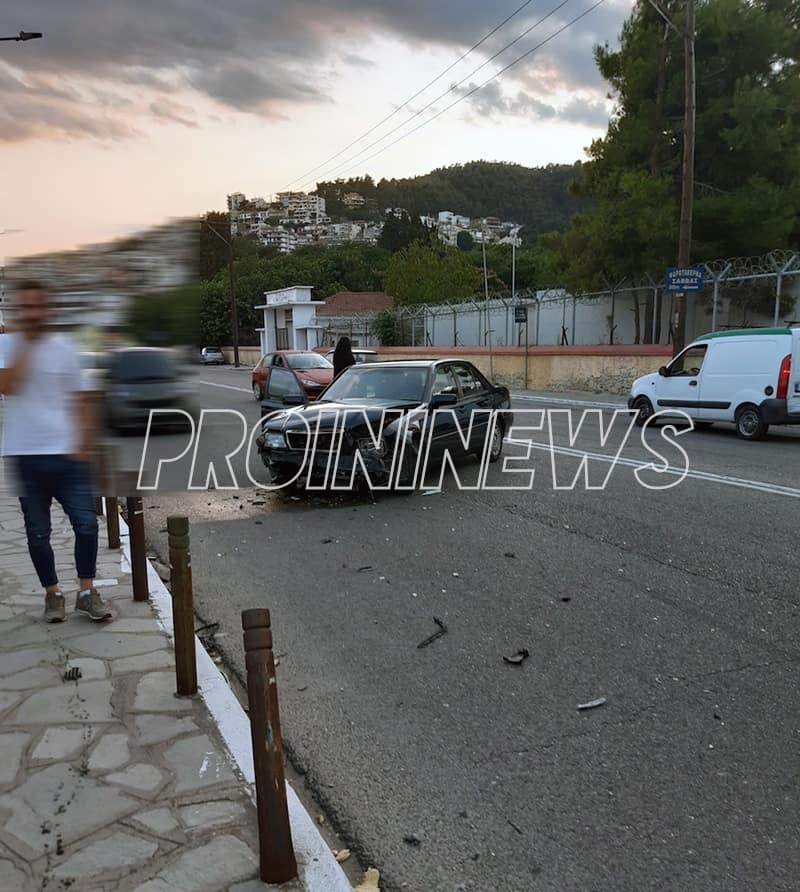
[{"x": 793, "y": 393}]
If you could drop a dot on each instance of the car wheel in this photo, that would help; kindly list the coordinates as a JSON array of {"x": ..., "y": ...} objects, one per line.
[
  {"x": 644, "y": 410},
  {"x": 496, "y": 446},
  {"x": 257, "y": 394},
  {"x": 749, "y": 423},
  {"x": 408, "y": 468}
]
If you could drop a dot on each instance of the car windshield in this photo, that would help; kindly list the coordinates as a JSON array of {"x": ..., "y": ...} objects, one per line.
[
  {"x": 400, "y": 384},
  {"x": 308, "y": 361},
  {"x": 141, "y": 365}
]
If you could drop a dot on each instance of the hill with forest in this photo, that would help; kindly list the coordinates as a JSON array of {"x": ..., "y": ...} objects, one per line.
[{"x": 537, "y": 197}]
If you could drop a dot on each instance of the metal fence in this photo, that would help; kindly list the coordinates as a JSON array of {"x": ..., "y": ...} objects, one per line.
[{"x": 738, "y": 293}]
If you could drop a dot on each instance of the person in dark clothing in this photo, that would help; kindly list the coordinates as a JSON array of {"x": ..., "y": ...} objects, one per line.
[{"x": 342, "y": 357}]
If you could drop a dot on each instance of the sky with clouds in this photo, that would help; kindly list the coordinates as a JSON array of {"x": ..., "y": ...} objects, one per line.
[{"x": 129, "y": 112}]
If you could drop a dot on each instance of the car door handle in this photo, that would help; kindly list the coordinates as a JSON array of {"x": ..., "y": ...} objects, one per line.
[{"x": 693, "y": 384}]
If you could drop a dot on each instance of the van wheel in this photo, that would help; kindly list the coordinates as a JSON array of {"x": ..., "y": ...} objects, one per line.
[
  {"x": 643, "y": 408},
  {"x": 749, "y": 423}
]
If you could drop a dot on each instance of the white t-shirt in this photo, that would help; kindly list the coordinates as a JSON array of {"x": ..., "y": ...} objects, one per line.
[{"x": 41, "y": 417}]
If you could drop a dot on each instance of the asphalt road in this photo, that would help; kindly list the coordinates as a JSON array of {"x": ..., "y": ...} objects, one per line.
[{"x": 679, "y": 606}]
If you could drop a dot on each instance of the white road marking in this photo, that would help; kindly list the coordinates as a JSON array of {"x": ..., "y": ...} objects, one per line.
[
  {"x": 724, "y": 479},
  {"x": 226, "y": 386},
  {"x": 587, "y": 404}
]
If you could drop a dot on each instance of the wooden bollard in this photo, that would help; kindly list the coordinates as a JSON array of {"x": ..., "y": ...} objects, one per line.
[
  {"x": 180, "y": 583},
  {"x": 278, "y": 864},
  {"x": 112, "y": 522},
  {"x": 141, "y": 590},
  {"x": 98, "y": 506}
]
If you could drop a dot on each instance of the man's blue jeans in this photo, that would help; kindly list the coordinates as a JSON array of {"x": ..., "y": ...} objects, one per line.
[{"x": 46, "y": 477}]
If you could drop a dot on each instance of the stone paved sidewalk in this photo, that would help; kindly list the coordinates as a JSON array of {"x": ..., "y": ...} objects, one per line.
[{"x": 109, "y": 782}]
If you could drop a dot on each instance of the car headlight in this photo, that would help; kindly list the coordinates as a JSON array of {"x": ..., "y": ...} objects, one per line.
[
  {"x": 274, "y": 440},
  {"x": 370, "y": 446}
]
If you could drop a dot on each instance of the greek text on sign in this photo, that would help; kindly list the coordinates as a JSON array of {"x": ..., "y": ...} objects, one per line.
[{"x": 684, "y": 278}]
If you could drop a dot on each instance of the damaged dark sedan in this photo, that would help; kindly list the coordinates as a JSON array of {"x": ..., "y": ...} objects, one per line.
[{"x": 382, "y": 425}]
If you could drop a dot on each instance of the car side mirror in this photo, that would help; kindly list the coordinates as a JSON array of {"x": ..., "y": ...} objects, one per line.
[
  {"x": 664, "y": 372},
  {"x": 443, "y": 399},
  {"x": 294, "y": 399}
]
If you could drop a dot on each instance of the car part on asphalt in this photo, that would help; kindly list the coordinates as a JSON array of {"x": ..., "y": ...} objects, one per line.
[
  {"x": 592, "y": 704},
  {"x": 431, "y": 638},
  {"x": 518, "y": 658}
]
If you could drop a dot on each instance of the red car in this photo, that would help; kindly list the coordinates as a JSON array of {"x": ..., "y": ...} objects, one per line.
[{"x": 312, "y": 371}]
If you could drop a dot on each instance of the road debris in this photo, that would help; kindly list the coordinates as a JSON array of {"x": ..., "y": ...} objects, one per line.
[
  {"x": 514, "y": 826},
  {"x": 371, "y": 880},
  {"x": 509, "y": 554},
  {"x": 366, "y": 567},
  {"x": 518, "y": 658},
  {"x": 431, "y": 638},
  {"x": 327, "y": 541},
  {"x": 73, "y": 673},
  {"x": 432, "y": 492},
  {"x": 342, "y": 855},
  {"x": 412, "y": 839},
  {"x": 566, "y": 600},
  {"x": 592, "y": 704}
]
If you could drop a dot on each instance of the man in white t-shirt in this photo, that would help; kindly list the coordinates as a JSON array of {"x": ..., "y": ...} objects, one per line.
[{"x": 46, "y": 434}]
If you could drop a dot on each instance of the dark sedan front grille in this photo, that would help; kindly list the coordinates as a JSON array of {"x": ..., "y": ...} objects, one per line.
[{"x": 321, "y": 441}]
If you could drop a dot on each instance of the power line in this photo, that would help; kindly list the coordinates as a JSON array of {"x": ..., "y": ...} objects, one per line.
[
  {"x": 412, "y": 98},
  {"x": 481, "y": 86},
  {"x": 452, "y": 88}
]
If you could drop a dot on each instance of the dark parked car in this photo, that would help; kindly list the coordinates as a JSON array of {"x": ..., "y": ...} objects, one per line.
[
  {"x": 297, "y": 442},
  {"x": 312, "y": 372},
  {"x": 140, "y": 379}
]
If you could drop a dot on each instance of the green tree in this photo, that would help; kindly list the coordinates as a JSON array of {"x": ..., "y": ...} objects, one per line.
[
  {"x": 170, "y": 317},
  {"x": 464, "y": 241},
  {"x": 747, "y": 147},
  {"x": 422, "y": 274},
  {"x": 401, "y": 231},
  {"x": 747, "y": 151}
]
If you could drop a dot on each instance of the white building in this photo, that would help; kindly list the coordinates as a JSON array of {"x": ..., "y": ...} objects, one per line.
[
  {"x": 289, "y": 320},
  {"x": 235, "y": 200},
  {"x": 277, "y": 237}
]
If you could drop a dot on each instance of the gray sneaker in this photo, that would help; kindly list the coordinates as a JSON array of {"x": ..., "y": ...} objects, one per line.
[
  {"x": 92, "y": 605},
  {"x": 54, "y": 608}
]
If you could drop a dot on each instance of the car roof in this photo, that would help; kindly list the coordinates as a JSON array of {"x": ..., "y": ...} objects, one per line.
[
  {"x": 744, "y": 332},
  {"x": 411, "y": 363},
  {"x": 272, "y": 352}
]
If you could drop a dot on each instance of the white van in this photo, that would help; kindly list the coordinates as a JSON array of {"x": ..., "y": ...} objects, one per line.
[{"x": 750, "y": 377}]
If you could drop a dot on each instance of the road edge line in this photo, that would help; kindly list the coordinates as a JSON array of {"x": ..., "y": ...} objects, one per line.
[{"x": 320, "y": 872}]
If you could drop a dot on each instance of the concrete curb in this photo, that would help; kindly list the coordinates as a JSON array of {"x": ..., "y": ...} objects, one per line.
[{"x": 319, "y": 870}]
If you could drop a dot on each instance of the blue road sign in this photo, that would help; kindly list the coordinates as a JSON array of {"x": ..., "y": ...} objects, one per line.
[{"x": 683, "y": 278}]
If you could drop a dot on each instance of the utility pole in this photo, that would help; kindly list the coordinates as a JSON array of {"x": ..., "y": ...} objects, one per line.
[
  {"x": 234, "y": 312},
  {"x": 687, "y": 32},
  {"x": 687, "y": 175}
]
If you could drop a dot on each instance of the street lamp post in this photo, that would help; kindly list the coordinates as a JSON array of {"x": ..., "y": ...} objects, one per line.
[{"x": 234, "y": 312}]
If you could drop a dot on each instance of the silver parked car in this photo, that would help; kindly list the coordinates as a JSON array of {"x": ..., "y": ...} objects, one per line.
[{"x": 212, "y": 356}]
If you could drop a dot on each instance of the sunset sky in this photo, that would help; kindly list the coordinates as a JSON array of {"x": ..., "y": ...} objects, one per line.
[{"x": 129, "y": 112}]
